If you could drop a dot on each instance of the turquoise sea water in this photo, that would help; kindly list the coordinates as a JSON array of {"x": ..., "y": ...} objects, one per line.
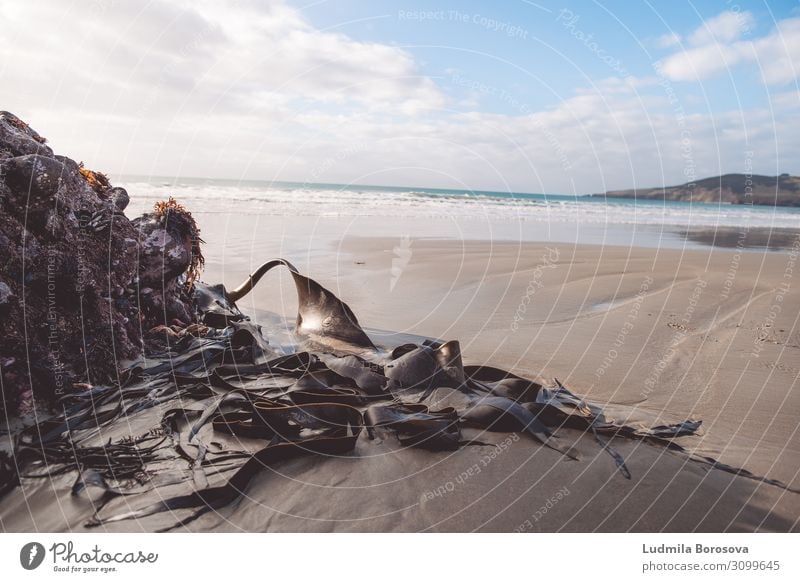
[{"x": 513, "y": 214}]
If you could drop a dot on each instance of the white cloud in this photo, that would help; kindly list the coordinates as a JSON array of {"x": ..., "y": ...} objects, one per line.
[
  {"x": 786, "y": 100},
  {"x": 723, "y": 28},
  {"x": 703, "y": 62},
  {"x": 197, "y": 55},
  {"x": 591, "y": 142},
  {"x": 716, "y": 49},
  {"x": 778, "y": 55},
  {"x": 668, "y": 40},
  {"x": 252, "y": 90}
]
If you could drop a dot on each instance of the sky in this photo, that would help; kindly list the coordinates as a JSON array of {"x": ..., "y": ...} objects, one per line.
[{"x": 569, "y": 97}]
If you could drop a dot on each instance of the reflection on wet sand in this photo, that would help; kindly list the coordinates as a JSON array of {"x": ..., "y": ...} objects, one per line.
[{"x": 773, "y": 239}]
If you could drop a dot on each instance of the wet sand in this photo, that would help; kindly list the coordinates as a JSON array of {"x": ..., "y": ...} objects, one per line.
[{"x": 654, "y": 335}]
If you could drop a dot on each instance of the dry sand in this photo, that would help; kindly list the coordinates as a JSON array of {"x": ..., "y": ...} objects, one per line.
[{"x": 653, "y": 335}]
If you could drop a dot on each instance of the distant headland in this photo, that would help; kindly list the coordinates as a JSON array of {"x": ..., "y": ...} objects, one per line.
[{"x": 783, "y": 190}]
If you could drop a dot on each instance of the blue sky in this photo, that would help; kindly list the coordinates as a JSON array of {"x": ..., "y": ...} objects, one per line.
[
  {"x": 557, "y": 97},
  {"x": 544, "y": 62}
]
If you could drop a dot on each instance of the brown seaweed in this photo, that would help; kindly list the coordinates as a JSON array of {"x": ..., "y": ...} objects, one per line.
[
  {"x": 320, "y": 314},
  {"x": 335, "y": 426},
  {"x": 310, "y": 402},
  {"x": 504, "y": 415},
  {"x": 416, "y": 425}
]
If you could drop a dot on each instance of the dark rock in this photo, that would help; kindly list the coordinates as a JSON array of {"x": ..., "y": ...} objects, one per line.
[
  {"x": 18, "y": 139},
  {"x": 71, "y": 257},
  {"x": 164, "y": 253},
  {"x": 169, "y": 257},
  {"x": 35, "y": 177},
  {"x": 70, "y": 164},
  {"x": 119, "y": 198},
  {"x": 6, "y": 299}
]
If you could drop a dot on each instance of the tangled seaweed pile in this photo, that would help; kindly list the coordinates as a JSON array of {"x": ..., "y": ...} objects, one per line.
[
  {"x": 232, "y": 404},
  {"x": 80, "y": 283}
]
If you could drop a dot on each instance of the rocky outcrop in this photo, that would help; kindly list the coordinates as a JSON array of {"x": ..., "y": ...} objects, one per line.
[
  {"x": 783, "y": 190},
  {"x": 80, "y": 283}
]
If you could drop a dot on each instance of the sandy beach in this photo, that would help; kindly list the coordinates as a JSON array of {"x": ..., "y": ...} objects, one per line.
[
  {"x": 653, "y": 335},
  {"x": 285, "y": 269}
]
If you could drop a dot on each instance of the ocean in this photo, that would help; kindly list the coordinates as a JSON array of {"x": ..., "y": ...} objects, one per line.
[{"x": 482, "y": 214}]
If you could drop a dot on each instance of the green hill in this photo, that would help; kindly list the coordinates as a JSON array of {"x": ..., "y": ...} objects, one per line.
[{"x": 783, "y": 190}]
